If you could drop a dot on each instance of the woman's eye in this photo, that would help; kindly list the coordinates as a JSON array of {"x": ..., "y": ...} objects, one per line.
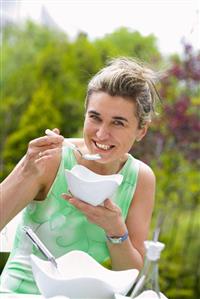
[
  {"x": 118, "y": 123},
  {"x": 95, "y": 117}
]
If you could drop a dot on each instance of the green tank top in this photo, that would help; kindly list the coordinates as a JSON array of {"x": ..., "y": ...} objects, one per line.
[{"x": 62, "y": 227}]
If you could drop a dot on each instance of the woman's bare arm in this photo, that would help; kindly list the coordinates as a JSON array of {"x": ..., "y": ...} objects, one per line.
[
  {"x": 137, "y": 223},
  {"x": 29, "y": 177}
]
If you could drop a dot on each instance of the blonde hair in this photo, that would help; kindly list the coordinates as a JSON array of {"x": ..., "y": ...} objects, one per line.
[{"x": 128, "y": 78}]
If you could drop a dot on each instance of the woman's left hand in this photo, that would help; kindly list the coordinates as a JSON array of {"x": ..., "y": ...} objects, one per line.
[{"x": 107, "y": 216}]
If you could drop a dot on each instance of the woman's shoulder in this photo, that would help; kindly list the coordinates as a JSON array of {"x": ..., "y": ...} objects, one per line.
[
  {"x": 143, "y": 168},
  {"x": 146, "y": 173},
  {"x": 146, "y": 184}
]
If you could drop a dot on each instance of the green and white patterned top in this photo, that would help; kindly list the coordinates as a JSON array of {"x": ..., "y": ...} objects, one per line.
[{"x": 62, "y": 227}]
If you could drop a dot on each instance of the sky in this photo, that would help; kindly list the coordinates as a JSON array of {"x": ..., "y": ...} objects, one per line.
[{"x": 169, "y": 20}]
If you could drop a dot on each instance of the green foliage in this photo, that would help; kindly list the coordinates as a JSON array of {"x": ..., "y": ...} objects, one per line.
[
  {"x": 178, "y": 196},
  {"x": 124, "y": 42},
  {"x": 179, "y": 268},
  {"x": 172, "y": 149},
  {"x": 178, "y": 179},
  {"x": 39, "y": 115}
]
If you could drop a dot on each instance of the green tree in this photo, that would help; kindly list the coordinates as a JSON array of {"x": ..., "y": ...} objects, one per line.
[
  {"x": 125, "y": 42},
  {"x": 40, "y": 114},
  {"x": 20, "y": 48}
]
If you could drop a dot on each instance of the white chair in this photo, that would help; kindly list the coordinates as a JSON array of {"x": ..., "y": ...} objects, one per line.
[{"x": 8, "y": 233}]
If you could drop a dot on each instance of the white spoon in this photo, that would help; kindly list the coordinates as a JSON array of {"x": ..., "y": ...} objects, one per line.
[{"x": 74, "y": 147}]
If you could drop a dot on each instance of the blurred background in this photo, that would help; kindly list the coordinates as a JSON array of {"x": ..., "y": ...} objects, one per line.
[{"x": 49, "y": 51}]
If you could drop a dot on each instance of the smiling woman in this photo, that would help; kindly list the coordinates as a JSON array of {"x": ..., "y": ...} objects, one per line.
[{"x": 120, "y": 103}]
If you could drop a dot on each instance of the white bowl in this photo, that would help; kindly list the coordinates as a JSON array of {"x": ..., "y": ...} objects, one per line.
[
  {"x": 79, "y": 276},
  {"x": 91, "y": 187}
]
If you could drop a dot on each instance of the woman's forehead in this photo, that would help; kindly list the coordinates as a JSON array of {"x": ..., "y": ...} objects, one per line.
[{"x": 103, "y": 102}]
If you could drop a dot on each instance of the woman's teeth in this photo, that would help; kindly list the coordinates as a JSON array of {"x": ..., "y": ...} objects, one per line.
[{"x": 103, "y": 146}]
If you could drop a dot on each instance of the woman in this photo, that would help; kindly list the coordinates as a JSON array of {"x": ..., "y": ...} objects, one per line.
[{"x": 119, "y": 107}]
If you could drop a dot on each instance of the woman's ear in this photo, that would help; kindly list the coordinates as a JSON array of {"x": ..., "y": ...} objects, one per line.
[{"x": 142, "y": 132}]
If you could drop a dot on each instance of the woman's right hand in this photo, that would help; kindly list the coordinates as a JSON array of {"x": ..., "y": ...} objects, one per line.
[{"x": 40, "y": 151}]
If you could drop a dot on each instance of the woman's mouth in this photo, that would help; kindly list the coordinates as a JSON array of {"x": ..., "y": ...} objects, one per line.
[{"x": 104, "y": 147}]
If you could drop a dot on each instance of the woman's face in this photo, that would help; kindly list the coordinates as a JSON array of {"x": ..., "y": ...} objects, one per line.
[{"x": 110, "y": 126}]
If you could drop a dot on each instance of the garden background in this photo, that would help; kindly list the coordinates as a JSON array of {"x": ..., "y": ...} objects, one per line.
[{"x": 44, "y": 75}]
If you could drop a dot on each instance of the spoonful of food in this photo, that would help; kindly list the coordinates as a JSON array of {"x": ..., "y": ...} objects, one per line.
[{"x": 74, "y": 147}]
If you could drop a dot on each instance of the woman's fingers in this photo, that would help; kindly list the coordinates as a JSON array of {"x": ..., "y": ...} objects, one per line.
[
  {"x": 76, "y": 202},
  {"x": 66, "y": 196},
  {"x": 79, "y": 204},
  {"x": 88, "y": 209},
  {"x": 46, "y": 140},
  {"x": 39, "y": 146},
  {"x": 49, "y": 152},
  {"x": 56, "y": 130},
  {"x": 110, "y": 205}
]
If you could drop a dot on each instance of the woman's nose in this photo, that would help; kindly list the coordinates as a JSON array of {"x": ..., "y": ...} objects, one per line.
[{"x": 102, "y": 132}]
